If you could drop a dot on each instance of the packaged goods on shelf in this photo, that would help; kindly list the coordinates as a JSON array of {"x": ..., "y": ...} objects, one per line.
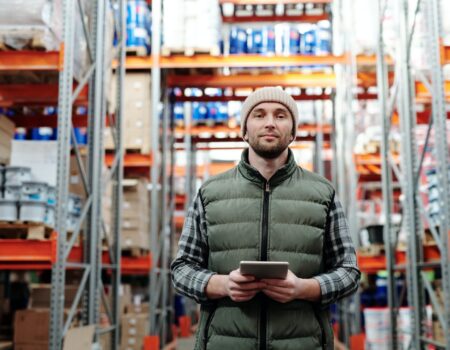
[
  {"x": 38, "y": 24},
  {"x": 7, "y": 129},
  {"x": 183, "y": 20},
  {"x": 40, "y": 295},
  {"x": 134, "y": 327},
  {"x": 137, "y": 113},
  {"x": 138, "y": 26},
  {"x": 377, "y": 326},
  {"x": 135, "y": 210}
]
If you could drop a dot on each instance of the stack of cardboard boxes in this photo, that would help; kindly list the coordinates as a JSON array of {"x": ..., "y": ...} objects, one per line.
[
  {"x": 31, "y": 326},
  {"x": 137, "y": 113},
  {"x": 135, "y": 326},
  {"x": 135, "y": 214},
  {"x": 7, "y": 129}
]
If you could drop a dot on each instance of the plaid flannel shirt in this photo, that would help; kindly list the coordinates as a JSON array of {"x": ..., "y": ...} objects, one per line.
[{"x": 190, "y": 274}]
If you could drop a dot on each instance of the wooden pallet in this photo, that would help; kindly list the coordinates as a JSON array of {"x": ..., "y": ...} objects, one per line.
[
  {"x": 139, "y": 51},
  {"x": 372, "y": 250},
  {"x": 24, "y": 230},
  {"x": 190, "y": 51}
]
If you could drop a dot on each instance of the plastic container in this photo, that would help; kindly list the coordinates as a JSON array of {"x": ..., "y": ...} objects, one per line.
[
  {"x": 51, "y": 195},
  {"x": 8, "y": 210},
  {"x": 34, "y": 191},
  {"x": 12, "y": 192},
  {"x": 50, "y": 215},
  {"x": 32, "y": 211},
  {"x": 74, "y": 204},
  {"x": 15, "y": 175}
]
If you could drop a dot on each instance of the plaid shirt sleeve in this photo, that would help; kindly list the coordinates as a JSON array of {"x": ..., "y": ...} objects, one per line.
[
  {"x": 341, "y": 277},
  {"x": 189, "y": 273}
]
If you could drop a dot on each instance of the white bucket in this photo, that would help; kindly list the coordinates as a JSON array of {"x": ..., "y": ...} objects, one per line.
[
  {"x": 15, "y": 175},
  {"x": 32, "y": 211},
  {"x": 34, "y": 191},
  {"x": 8, "y": 210},
  {"x": 12, "y": 192}
]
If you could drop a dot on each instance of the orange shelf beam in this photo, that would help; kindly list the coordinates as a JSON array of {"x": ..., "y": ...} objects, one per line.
[
  {"x": 31, "y": 94},
  {"x": 294, "y": 80},
  {"x": 30, "y": 61},
  {"x": 244, "y": 61},
  {"x": 131, "y": 160},
  {"x": 423, "y": 95},
  {"x": 273, "y": 2},
  {"x": 248, "y": 60},
  {"x": 285, "y": 18}
]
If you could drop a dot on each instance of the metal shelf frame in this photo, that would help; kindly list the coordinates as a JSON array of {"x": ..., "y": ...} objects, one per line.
[
  {"x": 403, "y": 96},
  {"x": 91, "y": 292}
]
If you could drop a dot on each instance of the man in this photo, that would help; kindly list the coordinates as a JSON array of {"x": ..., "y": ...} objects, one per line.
[{"x": 266, "y": 208}]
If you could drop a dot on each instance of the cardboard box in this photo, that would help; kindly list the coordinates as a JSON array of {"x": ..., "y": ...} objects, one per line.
[
  {"x": 31, "y": 346},
  {"x": 79, "y": 338},
  {"x": 134, "y": 239},
  {"x": 7, "y": 126},
  {"x": 40, "y": 296},
  {"x": 134, "y": 328},
  {"x": 142, "y": 308},
  {"x": 31, "y": 327},
  {"x": 75, "y": 180},
  {"x": 137, "y": 138}
]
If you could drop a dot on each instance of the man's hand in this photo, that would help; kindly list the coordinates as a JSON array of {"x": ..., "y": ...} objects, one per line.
[
  {"x": 242, "y": 287},
  {"x": 234, "y": 285},
  {"x": 284, "y": 290}
]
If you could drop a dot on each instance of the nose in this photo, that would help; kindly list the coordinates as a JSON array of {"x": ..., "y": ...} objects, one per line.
[{"x": 270, "y": 121}]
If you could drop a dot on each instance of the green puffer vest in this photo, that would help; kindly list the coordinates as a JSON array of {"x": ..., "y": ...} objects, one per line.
[{"x": 282, "y": 220}]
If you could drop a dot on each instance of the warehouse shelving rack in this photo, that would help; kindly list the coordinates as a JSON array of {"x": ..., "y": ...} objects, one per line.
[
  {"x": 397, "y": 96},
  {"x": 60, "y": 253}
]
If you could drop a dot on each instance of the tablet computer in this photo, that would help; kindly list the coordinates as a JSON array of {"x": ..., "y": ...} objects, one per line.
[{"x": 265, "y": 269}]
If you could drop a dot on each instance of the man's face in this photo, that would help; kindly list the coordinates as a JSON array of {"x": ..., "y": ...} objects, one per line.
[{"x": 269, "y": 129}]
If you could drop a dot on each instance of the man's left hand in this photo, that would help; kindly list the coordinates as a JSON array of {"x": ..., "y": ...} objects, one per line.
[{"x": 284, "y": 290}]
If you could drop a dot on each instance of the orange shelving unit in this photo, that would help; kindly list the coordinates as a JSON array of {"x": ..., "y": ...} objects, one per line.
[{"x": 30, "y": 61}]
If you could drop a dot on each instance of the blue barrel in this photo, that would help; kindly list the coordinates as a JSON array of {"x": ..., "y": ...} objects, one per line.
[
  {"x": 238, "y": 40},
  {"x": 269, "y": 38},
  {"x": 222, "y": 112},
  {"x": 294, "y": 41},
  {"x": 20, "y": 134},
  {"x": 212, "y": 111},
  {"x": 308, "y": 42},
  {"x": 323, "y": 38},
  {"x": 178, "y": 111},
  {"x": 199, "y": 112},
  {"x": 256, "y": 44}
]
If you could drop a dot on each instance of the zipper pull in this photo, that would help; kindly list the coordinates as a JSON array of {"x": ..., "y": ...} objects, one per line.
[{"x": 267, "y": 186}]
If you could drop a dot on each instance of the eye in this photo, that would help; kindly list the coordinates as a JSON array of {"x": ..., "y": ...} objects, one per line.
[
  {"x": 257, "y": 115},
  {"x": 281, "y": 116}
]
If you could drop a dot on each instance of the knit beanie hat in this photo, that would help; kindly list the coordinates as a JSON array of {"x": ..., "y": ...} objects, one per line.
[{"x": 268, "y": 94}]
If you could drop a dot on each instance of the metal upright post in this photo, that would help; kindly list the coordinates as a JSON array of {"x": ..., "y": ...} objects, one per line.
[
  {"x": 441, "y": 143},
  {"x": 118, "y": 177},
  {"x": 62, "y": 190},
  {"x": 188, "y": 150},
  {"x": 382, "y": 86},
  {"x": 165, "y": 228},
  {"x": 155, "y": 246},
  {"x": 318, "y": 117},
  {"x": 409, "y": 150},
  {"x": 96, "y": 120}
]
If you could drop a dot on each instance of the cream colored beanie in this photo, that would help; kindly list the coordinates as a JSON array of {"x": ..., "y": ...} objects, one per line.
[{"x": 268, "y": 94}]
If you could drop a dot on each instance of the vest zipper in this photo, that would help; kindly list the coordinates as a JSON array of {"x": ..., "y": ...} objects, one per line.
[
  {"x": 208, "y": 324},
  {"x": 264, "y": 239}
]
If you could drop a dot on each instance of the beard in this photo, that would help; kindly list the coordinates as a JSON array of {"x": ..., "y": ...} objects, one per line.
[{"x": 269, "y": 150}]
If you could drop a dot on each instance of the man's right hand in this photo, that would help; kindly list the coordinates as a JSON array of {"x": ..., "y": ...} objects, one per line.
[{"x": 234, "y": 285}]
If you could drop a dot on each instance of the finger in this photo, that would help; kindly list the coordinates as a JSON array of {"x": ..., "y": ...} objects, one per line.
[
  {"x": 250, "y": 285},
  {"x": 275, "y": 296},
  {"x": 236, "y": 276},
  {"x": 275, "y": 282},
  {"x": 277, "y": 289}
]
